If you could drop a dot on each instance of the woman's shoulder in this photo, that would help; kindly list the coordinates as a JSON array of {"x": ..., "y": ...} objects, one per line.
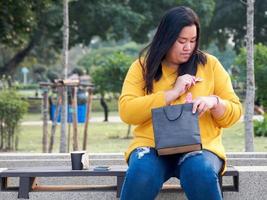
[
  {"x": 213, "y": 63},
  {"x": 135, "y": 70},
  {"x": 136, "y": 66},
  {"x": 211, "y": 59}
]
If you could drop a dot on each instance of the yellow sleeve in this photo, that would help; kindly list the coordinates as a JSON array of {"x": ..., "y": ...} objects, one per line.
[
  {"x": 224, "y": 89},
  {"x": 134, "y": 105}
]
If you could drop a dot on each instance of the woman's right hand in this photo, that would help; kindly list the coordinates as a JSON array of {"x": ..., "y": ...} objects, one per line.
[{"x": 182, "y": 84}]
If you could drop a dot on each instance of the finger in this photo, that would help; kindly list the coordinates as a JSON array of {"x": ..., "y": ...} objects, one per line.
[
  {"x": 193, "y": 82},
  {"x": 198, "y": 79},
  {"x": 203, "y": 111},
  {"x": 188, "y": 84},
  {"x": 201, "y": 106},
  {"x": 195, "y": 105}
]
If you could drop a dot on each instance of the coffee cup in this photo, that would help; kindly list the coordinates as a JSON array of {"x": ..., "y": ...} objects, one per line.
[{"x": 76, "y": 160}]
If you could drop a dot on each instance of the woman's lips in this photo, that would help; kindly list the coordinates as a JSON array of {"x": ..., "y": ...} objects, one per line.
[{"x": 186, "y": 54}]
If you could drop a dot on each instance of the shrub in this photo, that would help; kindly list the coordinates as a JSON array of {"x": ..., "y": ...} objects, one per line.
[
  {"x": 260, "y": 127},
  {"x": 260, "y": 59},
  {"x": 12, "y": 109}
]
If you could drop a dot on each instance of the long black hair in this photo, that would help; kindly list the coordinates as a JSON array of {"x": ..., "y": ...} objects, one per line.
[{"x": 167, "y": 33}]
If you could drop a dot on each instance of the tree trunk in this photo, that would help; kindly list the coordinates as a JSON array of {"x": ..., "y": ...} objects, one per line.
[
  {"x": 64, "y": 113},
  {"x": 105, "y": 107},
  {"x": 250, "y": 92},
  {"x": 12, "y": 64},
  {"x": 17, "y": 142},
  {"x": 1, "y": 135}
]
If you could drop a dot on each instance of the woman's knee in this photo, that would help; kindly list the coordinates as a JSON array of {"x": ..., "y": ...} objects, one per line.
[
  {"x": 140, "y": 183},
  {"x": 199, "y": 178},
  {"x": 196, "y": 169},
  {"x": 141, "y": 177}
]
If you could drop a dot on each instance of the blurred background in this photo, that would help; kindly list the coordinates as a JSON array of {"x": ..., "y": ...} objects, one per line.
[{"x": 105, "y": 37}]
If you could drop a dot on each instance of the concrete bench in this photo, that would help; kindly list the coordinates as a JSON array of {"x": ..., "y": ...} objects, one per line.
[{"x": 27, "y": 177}]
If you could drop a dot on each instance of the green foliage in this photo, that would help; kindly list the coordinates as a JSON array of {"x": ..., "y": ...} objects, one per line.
[
  {"x": 52, "y": 75},
  {"x": 112, "y": 104},
  {"x": 38, "y": 24},
  {"x": 229, "y": 23},
  {"x": 32, "y": 25},
  {"x": 108, "y": 66},
  {"x": 32, "y": 86},
  {"x": 260, "y": 127},
  {"x": 78, "y": 70},
  {"x": 12, "y": 109},
  {"x": 97, "y": 56},
  {"x": 226, "y": 57},
  {"x": 110, "y": 72},
  {"x": 260, "y": 63},
  {"x": 22, "y": 20}
]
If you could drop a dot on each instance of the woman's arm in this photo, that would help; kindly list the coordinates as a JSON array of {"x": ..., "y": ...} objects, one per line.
[
  {"x": 134, "y": 105},
  {"x": 228, "y": 110}
]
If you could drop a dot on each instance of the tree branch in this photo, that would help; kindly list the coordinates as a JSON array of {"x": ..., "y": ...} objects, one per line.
[
  {"x": 243, "y": 2},
  {"x": 11, "y": 65}
]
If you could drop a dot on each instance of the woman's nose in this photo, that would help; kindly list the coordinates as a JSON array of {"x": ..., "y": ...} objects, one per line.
[{"x": 187, "y": 46}]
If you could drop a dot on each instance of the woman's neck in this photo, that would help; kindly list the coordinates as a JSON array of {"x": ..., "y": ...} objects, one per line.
[{"x": 171, "y": 64}]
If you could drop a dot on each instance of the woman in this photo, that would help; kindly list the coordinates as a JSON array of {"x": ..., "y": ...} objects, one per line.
[{"x": 174, "y": 71}]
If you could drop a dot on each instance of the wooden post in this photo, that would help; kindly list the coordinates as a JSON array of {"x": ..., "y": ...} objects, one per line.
[
  {"x": 63, "y": 121},
  {"x": 69, "y": 135},
  {"x": 74, "y": 118},
  {"x": 45, "y": 120},
  {"x": 88, "y": 109},
  {"x": 54, "y": 124}
]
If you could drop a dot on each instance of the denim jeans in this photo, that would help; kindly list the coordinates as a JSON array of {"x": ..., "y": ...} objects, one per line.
[{"x": 198, "y": 173}]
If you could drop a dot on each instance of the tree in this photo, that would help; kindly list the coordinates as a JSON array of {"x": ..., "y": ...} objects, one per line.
[
  {"x": 101, "y": 62},
  {"x": 108, "y": 76},
  {"x": 224, "y": 26},
  {"x": 29, "y": 27},
  {"x": 12, "y": 109},
  {"x": 250, "y": 89},
  {"x": 260, "y": 59}
]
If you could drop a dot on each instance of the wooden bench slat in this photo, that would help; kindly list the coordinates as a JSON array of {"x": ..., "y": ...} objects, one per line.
[{"x": 73, "y": 187}]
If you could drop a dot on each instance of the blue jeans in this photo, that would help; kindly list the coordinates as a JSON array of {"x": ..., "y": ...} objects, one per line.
[{"x": 198, "y": 173}]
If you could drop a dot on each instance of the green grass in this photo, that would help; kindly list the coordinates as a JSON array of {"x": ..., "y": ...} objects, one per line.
[
  {"x": 38, "y": 116},
  {"x": 102, "y": 137},
  {"x": 234, "y": 139},
  {"x": 110, "y": 137}
]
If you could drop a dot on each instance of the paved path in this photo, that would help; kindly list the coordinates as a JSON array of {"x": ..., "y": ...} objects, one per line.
[
  {"x": 112, "y": 119},
  {"x": 116, "y": 119}
]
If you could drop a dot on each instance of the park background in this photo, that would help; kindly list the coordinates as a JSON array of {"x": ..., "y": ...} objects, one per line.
[{"x": 105, "y": 37}]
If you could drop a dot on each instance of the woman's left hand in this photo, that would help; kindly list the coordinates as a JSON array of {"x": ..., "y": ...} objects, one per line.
[{"x": 202, "y": 104}]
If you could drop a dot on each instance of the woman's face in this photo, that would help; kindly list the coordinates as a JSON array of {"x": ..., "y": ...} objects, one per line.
[{"x": 183, "y": 47}]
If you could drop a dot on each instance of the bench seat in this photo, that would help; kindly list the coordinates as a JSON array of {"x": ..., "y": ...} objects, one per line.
[{"x": 27, "y": 179}]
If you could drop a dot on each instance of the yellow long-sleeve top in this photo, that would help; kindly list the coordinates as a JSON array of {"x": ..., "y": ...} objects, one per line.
[{"x": 135, "y": 105}]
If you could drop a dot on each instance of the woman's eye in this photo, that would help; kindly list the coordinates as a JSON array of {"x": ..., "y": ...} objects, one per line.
[
  {"x": 182, "y": 41},
  {"x": 193, "y": 41}
]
